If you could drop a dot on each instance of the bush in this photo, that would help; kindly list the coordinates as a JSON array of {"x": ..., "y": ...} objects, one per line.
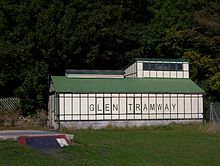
[{"x": 33, "y": 91}]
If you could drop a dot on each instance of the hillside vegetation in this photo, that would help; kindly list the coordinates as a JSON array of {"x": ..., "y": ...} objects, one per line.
[{"x": 39, "y": 38}]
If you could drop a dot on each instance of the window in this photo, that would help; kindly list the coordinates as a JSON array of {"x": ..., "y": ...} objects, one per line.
[
  {"x": 152, "y": 66},
  {"x": 166, "y": 66},
  {"x": 146, "y": 66},
  {"x": 173, "y": 66},
  {"x": 163, "y": 66},
  {"x": 179, "y": 66},
  {"x": 160, "y": 66}
]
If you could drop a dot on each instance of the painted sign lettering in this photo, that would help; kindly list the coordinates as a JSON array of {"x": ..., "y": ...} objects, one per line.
[{"x": 133, "y": 107}]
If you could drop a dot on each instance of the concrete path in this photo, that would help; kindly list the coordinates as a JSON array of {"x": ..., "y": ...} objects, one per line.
[{"x": 14, "y": 134}]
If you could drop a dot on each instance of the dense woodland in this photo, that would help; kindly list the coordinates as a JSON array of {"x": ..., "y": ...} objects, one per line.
[{"x": 39, "y": 38}]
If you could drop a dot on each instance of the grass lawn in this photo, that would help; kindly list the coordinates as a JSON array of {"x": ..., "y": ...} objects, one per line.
[{"x": 168, "y": 145}]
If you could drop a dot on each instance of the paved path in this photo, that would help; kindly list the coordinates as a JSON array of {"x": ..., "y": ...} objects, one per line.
[{"x": 14, "y": 134}]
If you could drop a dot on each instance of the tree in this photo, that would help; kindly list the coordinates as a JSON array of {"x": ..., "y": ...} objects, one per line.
[
  {"x": 33, "y": 90},
  {"x": 47, "y": 37},
  {"x": 204, "y": 37},
  {"x": 166, "y": 33}
]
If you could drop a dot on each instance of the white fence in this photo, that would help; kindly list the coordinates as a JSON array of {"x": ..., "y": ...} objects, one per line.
[
  {"x": 9, "y": 103},
  {"x": 214, "y": 118},
  {"x": 214, "y": 112}
]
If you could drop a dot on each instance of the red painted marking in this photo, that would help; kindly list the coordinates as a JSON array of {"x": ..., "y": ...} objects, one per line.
[{"x": 22, "y": 139}]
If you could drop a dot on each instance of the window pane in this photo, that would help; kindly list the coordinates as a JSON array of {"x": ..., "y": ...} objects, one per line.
[
  {"x": 145, "y": 66},
  {"x": 166, "y": 66},
  {"x": 152, "y": 66},
  {"x": 159, "y": 66},
  {"x": 163, "y": 66},
  {"x": 173, "y": 66},
  {"x": 179, "y": 66}
]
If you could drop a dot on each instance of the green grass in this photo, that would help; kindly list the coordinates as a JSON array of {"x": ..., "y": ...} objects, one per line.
[{"x": 169, "y": 145}]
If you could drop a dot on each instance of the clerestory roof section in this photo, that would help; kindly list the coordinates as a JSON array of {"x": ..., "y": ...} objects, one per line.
[
  {"x": 124, "y": 85},
  {"x": 94, "y": 73},
  {"x": 101, "y": 72},
  {"x": 160, "y": 59},
  {"x": 152, "y": 60}
]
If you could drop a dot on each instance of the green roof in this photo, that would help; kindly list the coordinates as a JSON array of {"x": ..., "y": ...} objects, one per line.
[{"x": 124, "y": 85}]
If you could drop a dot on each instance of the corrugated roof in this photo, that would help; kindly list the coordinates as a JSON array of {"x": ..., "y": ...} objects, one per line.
[
  {"x": 99, "y": 72},
  {"x": 126, "y": 85}
]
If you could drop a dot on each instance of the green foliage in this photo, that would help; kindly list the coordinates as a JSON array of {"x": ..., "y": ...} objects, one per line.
[
  {"x": 38, "y": 37},
  {"x": 11, "y": 62},
  {"x": 41, "y": 37},
  {"x": 204, "y": 37},
  {"x": 188, "y": 29},
  {"x": 165, "y": 35},
  {"x": 205, "y": 33},
  {"x": 33, "y": 90}
]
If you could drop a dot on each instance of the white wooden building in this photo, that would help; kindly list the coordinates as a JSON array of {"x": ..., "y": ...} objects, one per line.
[{"x": 148, "y": 91}]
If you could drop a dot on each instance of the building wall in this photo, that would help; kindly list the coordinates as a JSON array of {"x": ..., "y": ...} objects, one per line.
[
  {"x": 131, "y": 71},
  {"x": 140, "y": 73},
  {"x": 137, "y": 70},
  {"x": 123, "y": 107},
  {"x": 130, "y": 123},
  {"x": 166, "y": 74}
]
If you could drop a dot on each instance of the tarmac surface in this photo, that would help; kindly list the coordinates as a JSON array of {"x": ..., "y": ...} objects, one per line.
[{"x": 14, "y": 134}]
